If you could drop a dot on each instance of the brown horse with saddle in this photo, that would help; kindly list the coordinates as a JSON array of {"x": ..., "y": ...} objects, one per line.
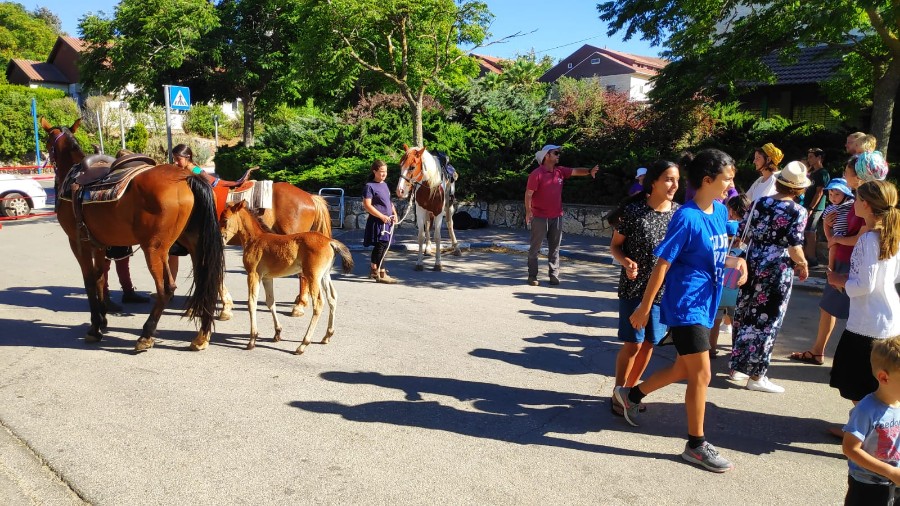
[{"x": 148, "y": 205}]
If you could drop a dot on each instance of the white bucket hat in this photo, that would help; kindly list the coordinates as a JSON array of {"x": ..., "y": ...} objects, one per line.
[{"x": 539, "y": 156}]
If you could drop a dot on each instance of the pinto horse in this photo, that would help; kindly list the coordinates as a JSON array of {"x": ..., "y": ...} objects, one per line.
[
  {"x": 293, "y": 211},
  {"x": 161, "y": 205},
  {"x": 419, "y": 173},
  {"x": 268, "y": 255}
]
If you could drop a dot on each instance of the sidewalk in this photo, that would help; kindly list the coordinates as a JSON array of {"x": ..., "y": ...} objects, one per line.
[{"x": 575, "y": 247}]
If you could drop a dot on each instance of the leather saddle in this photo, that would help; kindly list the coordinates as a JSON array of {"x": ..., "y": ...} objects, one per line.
[{"x": 96, "y": 167}]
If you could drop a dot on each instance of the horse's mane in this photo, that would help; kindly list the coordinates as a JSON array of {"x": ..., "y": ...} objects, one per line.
[
  {"x": 74, "y": 145},
  {"x": 430, "y": 170}
]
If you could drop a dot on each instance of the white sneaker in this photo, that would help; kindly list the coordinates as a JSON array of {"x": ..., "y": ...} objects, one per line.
[
  {"x": 764, "y": 385},
  {"x": 738, "y": 376},
  {"x": 725, "y": 329}
]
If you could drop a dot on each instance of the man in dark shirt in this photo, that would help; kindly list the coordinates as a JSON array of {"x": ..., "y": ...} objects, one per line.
[{"x": 814, "y": 201}]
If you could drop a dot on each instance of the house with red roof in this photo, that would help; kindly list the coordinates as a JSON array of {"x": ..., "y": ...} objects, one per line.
[
  {"x": 60, "y": 71},
  {"x": 619, "y": 72}
]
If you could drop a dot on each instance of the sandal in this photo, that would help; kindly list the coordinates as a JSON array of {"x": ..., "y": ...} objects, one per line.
[{"x": 807, "y": 357}]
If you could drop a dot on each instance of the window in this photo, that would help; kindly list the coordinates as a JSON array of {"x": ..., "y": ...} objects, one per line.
[
  {"x": 611, "y": 88},
  {"x": 595, "y": 61}
]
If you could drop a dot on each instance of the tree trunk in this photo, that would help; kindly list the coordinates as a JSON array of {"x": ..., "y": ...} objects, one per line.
[
  {"x": 883, "y": 97},
  {"x": 249, "y": 119},
  {"x": 415, "y": 110},
  {"x": 417, "y": 122}
]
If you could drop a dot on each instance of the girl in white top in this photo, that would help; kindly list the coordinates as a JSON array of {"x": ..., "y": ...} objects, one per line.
[
  {"x": 766, "y": 160},
  {"x": 874, "y": 302}
]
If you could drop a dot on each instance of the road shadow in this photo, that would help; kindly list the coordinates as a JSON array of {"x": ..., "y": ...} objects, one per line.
[
  {"x": 563, "y": 353},
  {"x": 537, "y": 417},
  {"x": 37, "y": 333}
]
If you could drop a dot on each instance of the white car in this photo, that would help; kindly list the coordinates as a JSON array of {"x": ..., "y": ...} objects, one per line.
[{"x": 19, "y": 195}]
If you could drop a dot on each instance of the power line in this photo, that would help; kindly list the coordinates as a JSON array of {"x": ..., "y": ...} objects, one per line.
[{"x": 567, "y": 44}]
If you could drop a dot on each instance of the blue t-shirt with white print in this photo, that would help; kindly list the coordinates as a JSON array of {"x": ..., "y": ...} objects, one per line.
[
  {"x": 695, "y": 245},
  {"x": 877, "y": 426}
]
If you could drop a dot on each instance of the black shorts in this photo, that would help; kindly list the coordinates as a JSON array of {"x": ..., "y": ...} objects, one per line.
[
  {"x": 866, "y": 494},
  {"x": 690, "y": 339}
]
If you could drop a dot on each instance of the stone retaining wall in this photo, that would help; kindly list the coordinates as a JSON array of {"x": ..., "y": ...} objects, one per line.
[{"x": 578, "y": 219}]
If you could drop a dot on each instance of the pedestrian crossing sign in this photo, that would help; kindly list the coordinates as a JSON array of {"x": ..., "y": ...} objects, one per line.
[{"x": 180, "y": 98}]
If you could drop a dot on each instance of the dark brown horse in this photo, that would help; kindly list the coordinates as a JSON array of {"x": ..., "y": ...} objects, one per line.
[
  {"x": 161, "y": 205},
  {"x": 293, "y": 211}
]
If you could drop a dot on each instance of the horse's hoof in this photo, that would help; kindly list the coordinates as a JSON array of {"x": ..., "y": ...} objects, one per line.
[
  {"x": 143, "y": 344},
  {"x": 93, "y": 336},
  {"x": 250, "y": 346},
  {"x": 438, "y": 267},
  {"x": 297, "y": 313},
  {"x": 277, "y": 336},
  {"x": 457, "y": 252},
  {"x": 299, "y": 351},
  {"x": 420, "y": 267},
  {"x": 224, "y": 317},
  {"x": 199, "y": 346}
]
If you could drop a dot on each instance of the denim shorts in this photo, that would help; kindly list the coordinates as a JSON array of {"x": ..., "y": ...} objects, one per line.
[{"x": 653, "y": 332}]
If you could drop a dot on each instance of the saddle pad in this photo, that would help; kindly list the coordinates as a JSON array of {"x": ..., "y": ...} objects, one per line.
[{"x": 257, "y": 196}]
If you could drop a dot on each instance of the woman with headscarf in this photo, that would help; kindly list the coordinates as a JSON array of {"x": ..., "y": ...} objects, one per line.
[{"x": 766, "y": 160}]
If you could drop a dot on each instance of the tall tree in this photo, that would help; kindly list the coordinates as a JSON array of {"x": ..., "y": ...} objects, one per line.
[
  {"x": 227, "y": 50},
  {"x": 716, "y": 44},
  {"x": 145, "y": 45},
  {"x": 411, "y": 44},
  {"x": 50, "y": 18},
  {"x": 23, "y": 34}
]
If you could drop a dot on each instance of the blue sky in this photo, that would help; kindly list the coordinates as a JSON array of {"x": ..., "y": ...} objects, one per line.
[{"x": 558, "y": 30}]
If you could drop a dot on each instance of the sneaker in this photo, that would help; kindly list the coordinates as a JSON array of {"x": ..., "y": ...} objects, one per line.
[
  {"x": 533, "y": 281},
  {"x": 738, "y": 376},
  {"x": 707, "y": 456},
  {"x": 629, "y": 409},
  {"x": 764, "y": 385},
  {"x": 554, "y": 280},
  {"x": 617, "y": 410}
]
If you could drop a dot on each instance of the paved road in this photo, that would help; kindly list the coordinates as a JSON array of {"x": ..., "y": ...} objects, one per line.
[{"x": 459, "y": 387}]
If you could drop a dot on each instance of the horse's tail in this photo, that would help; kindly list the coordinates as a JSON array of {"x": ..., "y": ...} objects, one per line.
[
  {"x": 322, "y": 221},
  {"x": 209, "y": 259},
  {"x": 346, "y": 257}
]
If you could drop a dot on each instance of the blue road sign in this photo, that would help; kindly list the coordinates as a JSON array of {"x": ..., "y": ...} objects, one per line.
[{"x": 180, "y": 98}]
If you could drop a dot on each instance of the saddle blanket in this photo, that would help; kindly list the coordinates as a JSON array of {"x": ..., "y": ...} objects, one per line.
[{"x": 257, "y": 196}]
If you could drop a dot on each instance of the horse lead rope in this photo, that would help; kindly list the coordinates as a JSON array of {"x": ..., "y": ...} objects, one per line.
[{"x": 409, "y": 206}]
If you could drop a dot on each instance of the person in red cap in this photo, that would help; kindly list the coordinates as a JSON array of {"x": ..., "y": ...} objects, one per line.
[{"x": 543, "y": 208}]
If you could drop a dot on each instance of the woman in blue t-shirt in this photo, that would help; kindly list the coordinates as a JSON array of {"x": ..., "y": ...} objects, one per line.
[{"x": 692, "y": 259}]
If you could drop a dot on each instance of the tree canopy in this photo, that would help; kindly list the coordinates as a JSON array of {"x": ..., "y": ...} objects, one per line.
[
  {"x": 227, "y": 50},
  {"x": 412, "y": 45},
  {"x": 718, "y": 44},
  {"x": 25, "y": 35}
]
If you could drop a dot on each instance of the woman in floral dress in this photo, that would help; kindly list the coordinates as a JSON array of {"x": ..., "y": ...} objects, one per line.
[{"x": 775, "y": 255}]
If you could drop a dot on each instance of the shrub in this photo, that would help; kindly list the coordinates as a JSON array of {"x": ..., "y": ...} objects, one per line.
[
  {"x": 136, "y": 138},
  {"x": 200, "y": 120}
]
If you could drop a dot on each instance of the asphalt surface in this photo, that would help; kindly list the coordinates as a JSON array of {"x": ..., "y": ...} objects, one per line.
[{"x": 460, "y": 387}]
